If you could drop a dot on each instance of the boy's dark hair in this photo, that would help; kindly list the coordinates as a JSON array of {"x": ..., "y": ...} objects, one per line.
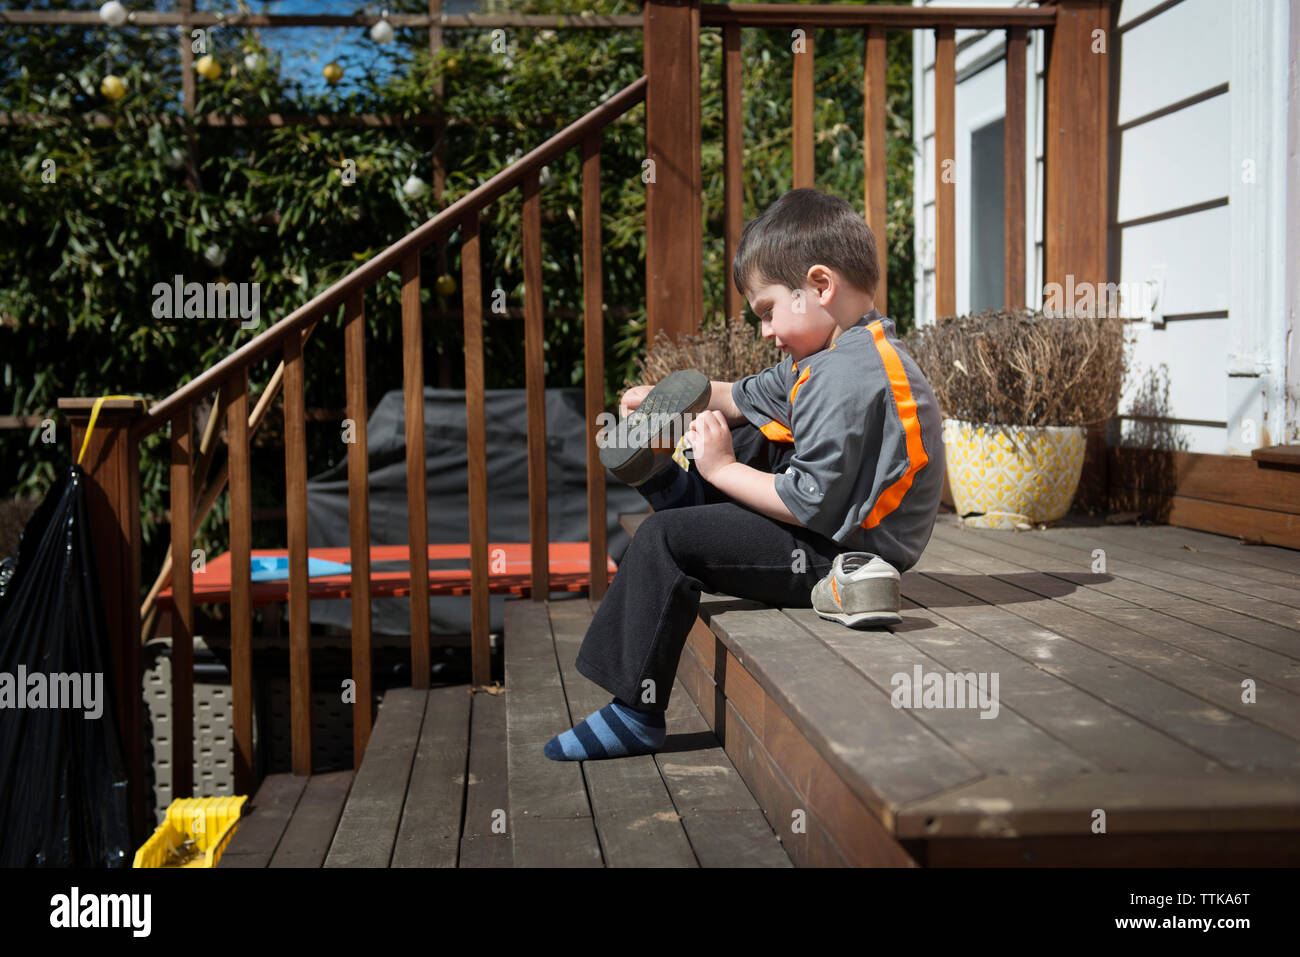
[{"x": 802, "y": 228}]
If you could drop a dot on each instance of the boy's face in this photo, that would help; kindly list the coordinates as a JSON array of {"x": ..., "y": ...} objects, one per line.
[{"x": 794, "y": 319}]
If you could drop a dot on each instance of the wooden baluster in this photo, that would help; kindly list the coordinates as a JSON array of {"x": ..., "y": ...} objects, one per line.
[
  {"x": 873, "y": 153},
  {"x": 241, "y": 606},
  {"x": 354, "y": 343},
  {"x": 593, "y": 321},
  {"x": 476, "y": 432},
  {"x": 182, "y": 506},
  {"x": 1013, "y": 169},
  {"x": 945, "y": 172},
  {"x": 417, "y": 516},
  {"x": 733, "y": 171},
  {"x": 295, "y": 480},
  {"x": 802, "y": 109},
  {"x": 535, "y": 381}
]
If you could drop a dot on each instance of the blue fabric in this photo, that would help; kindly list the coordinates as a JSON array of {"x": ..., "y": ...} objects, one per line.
[
  {"x": 614, "y": 731},
  {"x": 270, "y": 569}
]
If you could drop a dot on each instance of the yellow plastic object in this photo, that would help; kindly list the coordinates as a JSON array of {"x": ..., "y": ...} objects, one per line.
[{"x": 194, "y": 833}]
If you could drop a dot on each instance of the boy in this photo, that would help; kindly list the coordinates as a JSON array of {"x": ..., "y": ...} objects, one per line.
[{"x": 830, "y": 460}]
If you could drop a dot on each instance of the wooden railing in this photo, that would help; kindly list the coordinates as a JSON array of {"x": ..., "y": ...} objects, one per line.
[
  {"x": 1075, "y": 147},
  {"x": 114, "y": 451},
  {"x": 1074, "y": 230}
]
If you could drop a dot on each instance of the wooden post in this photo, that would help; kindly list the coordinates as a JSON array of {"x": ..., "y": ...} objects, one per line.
[
  {"x": 1075, "y": 156},
  {"x": 945, "y": 172},
  {"x": 673, "y": 207},
  {"x": 802, "y": 114},
  {"x": 873, "y": 154},
  {"x": 112, "y": 467},
  {"x": 1013, "y": 170}
]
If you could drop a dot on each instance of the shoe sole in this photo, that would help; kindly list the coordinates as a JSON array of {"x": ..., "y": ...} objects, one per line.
[
  {"x": 866, "y": 619},
  {"x": 682, "y": 393}
]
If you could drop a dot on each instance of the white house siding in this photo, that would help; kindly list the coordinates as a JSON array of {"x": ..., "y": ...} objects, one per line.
[{"x": 1211, "y": 376}]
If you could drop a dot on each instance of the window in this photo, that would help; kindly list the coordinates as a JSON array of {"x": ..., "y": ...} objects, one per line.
[{"x": 987, "y": 220}]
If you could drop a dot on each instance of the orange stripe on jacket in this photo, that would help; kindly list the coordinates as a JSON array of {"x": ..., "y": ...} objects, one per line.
[
  {"x": 891, "y": 497},
  {"x": 803, "y": 377},
  {"x": 777, "y": 432}
]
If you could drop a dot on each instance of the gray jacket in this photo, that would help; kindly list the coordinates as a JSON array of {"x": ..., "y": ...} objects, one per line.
[{"x": 868, "y": 463}]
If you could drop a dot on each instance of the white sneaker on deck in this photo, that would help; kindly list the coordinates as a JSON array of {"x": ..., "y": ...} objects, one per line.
[{"x": 860, "y": 591}]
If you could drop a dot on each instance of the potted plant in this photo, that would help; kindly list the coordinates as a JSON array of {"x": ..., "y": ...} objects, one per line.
[{"x": 1018, "y": 391}]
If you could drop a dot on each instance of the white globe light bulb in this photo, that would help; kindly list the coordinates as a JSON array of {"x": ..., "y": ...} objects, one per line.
[
  {"x": 113, "y": 13},
  {"x": 382, "y": 32},
  {"x": 414, "y": 186}
]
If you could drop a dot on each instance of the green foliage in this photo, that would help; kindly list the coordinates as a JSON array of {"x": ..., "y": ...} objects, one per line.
[{"x": 81, "y": 255}]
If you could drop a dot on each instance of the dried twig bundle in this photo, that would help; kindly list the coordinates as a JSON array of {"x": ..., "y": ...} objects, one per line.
[
  {"x": 1018, "y": 367},
  {"x": 723, "y": 350}
]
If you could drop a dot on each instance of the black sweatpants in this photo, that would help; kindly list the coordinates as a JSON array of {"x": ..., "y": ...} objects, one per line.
[{"x": 697, "y": 539}]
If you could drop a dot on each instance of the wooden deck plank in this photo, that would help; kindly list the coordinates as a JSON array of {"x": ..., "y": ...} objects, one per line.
[
  {"x": 886, "y": 755},
  {"x": 634, "y": 813},
  {"x": 486, "y": 840},
  {"x": 1266, "y": 556},
  {"x": 1216, "y": 683},
  {"x": 1080, "y": 720},
  {"x": 265, "y": 818},
  {"x": 1227, "y": 739},
  {"x": 429, "y": 833},
  {"x": 310, "y": 831},
  {"x": 368, "y": 827},
  {"x": 1092, "y": 592},
  {"x": 550, "y": 814},
  {"x": 1226, "y": 568},
  {"x": 1151, "y": 580},
  {"x": 1221, "y": 577},
  {"x": 1008, "y": 743}
]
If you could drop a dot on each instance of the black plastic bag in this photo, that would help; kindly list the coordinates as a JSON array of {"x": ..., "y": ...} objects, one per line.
[{"x": 63, "y": 787}]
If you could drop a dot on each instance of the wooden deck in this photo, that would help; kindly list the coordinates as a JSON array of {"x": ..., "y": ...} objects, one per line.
[
  {"x": 452, "y": 779},
  {"x": 1120, "y": 703}
]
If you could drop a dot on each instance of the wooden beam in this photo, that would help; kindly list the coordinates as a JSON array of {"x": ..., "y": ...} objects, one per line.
[
  {"x": 471, "y": 284},
  {"x": 354, "y": 348},
  {"x": 674, "y": 244},
  {"x": 873, "y": 153},
  {"x": 1075, "y": 145},
  {"x": 182, "y": 664},
  {"x": 241, "y": 607},
  {"x": 803, "y": 111},
  {"x": 535, "y": 382},
  {"x": 1013, "y": 169},
  {"x": 945, "y": 173},
  {"x": 593, "y": 363},
  {"x": 417, "y": 509},
  {"x": 733, "y": 119},
  {"x": 295, "y": 484},
  {"x": 111, "y": 465}
]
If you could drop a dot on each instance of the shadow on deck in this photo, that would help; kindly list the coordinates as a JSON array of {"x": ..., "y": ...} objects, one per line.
[{"x": 1147, "y": 713}]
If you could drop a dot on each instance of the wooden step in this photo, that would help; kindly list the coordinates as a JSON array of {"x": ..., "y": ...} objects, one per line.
[{"x": 685, "y": 806}]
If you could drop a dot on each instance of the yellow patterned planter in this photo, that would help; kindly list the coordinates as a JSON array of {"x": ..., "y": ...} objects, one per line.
[{"x": 1010, "y": 475}]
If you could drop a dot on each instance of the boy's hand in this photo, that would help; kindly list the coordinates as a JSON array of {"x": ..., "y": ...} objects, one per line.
[
  {"x": 632, "y": 398},
  {"x": 710, "y": 441}
]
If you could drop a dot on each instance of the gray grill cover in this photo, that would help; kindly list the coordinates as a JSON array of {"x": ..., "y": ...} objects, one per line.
[{"x": 446, "y": 468}]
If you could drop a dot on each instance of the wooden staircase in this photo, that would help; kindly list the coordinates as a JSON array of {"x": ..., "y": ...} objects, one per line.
[{"x": 454, "y": 779}]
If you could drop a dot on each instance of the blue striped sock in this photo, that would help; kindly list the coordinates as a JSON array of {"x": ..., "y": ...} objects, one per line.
[{"x": 612, "y": 732}]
